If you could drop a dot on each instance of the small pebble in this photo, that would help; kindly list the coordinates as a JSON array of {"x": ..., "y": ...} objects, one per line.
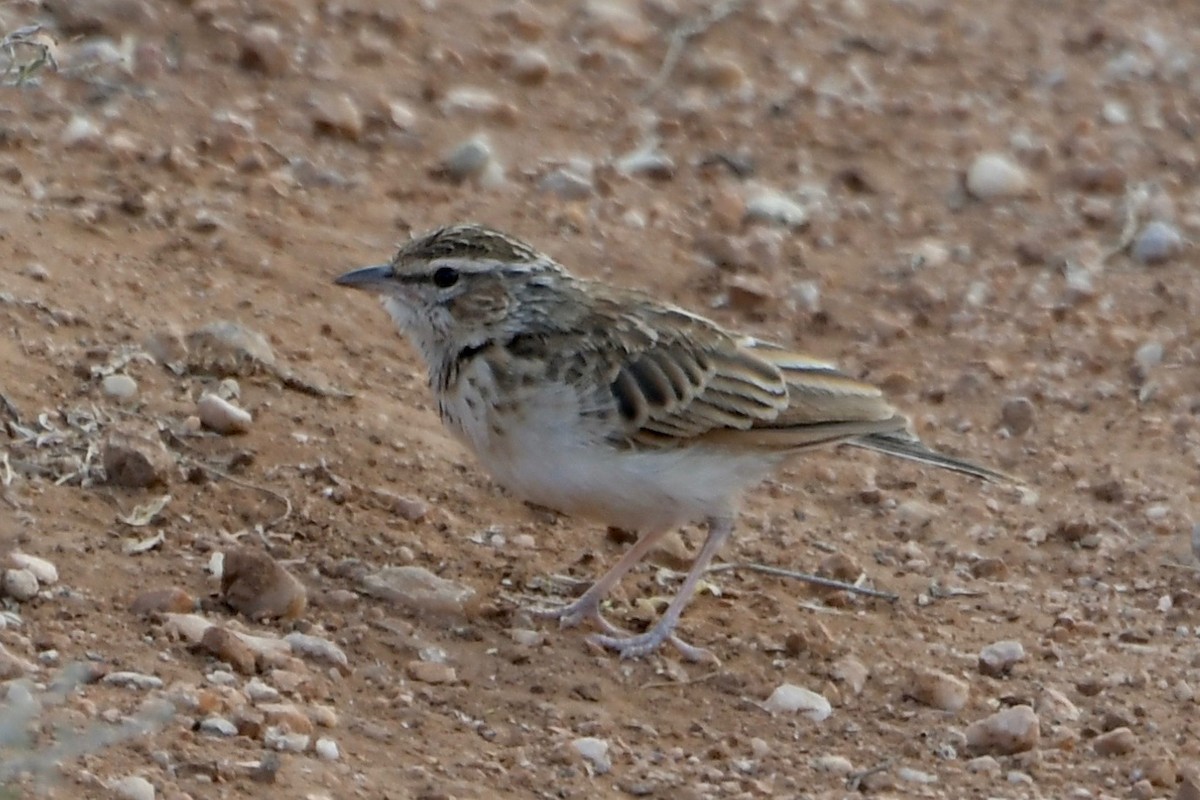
[
  {"x": 1012, "y": 730},
  {"x": 218, "y": 414},
  {"x": 468, "y": 160},
  {"x": 262, "y": 50},
  {"x": 337, "y": 115},
  {"x": 789, "y": 698},
  {"x": 132, "y": 680},
  {"x": 1017, "y": 415},
  {"x": 20, "y": 584},
  {"x": 284, "y": 741},
  {"x": 225, "y": 645},
  {"x": 13, "y": 666},
  {"x": 418, "y": 589},
  {"x": 133, "y": 787},
  {"x": 258, "y": 586},
  {"x": 431, "y": 672},
  {"x": 998, "y": 659},
  {"x": 994, "y": 175},
  {"x": 45, "y": 572},
  {"x": 260, "y": 692},
  {"x": 939, "y": 690},
  {"x": 218, "y": 726},
  {"x": 36, "y": 272},
  {"x": 318, "y": 649},
  {"x": 136, "y": 459},
  {"x": 649, "y": 163},
  {"x": 327, "y": 749},
  {"x": 852, "y": 672},
  {"x": 1156, "y": 243},
  {"x": 775, "y": 208},
  {"x": 986, "y": 765},
  {"x": 81, "y": 132},
  {"x": 594, "y": 751},
  {"x": 834, "y": 765},
  {"x": 1054, "y": 706},
  {"x": 1117, "y": 742},
  {"x": 529, "y": 66},
  {"x": 119, "y": 387},
  {"x": 566, "y": 184}
]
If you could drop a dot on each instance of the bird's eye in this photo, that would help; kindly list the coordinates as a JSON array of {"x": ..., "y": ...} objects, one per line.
[{"x": 445, "y": 277}]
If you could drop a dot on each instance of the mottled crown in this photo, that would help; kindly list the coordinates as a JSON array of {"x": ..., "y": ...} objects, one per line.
[{"x": 467, "y": 241}]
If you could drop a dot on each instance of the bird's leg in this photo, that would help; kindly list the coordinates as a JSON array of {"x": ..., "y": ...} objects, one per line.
[
  {"x": 719, "y": 529},
  {"x": 587, "y": 606}
]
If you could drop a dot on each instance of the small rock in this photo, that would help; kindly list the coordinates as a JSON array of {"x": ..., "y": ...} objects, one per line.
[
  {"x": 939, "y": 690},
  {"x": 159, "y": 601},
  {"x": 852, "y": 672},
  {"x": 998, "y": 659},
  {"x": 337, "y": 115},
  {"x": 748, "y": 293},
  {"x": 1013, "y": 730},
  {"x": 473, "y": 101},
  {"x": 775, "y": 208},
  {"x": 260, "y": 692},
  {"x": 834, "y": 765},
  {"x": 327, "y": 749},
  {"x": 119, "y": 387},
  {"x": 220, "y": 415},
  {"x": 218, "y": 726},
  {"x": 526, "y": 637},
  {"x": 20, "y": 584},
  {"x": 317, "y": 648},
  {"x": 286, "y": 716},
  {"x": 136, "y": 459},
  {"x": 1017, "y": 415},
  {"x": 594, "y": 751},
  {"x": 401, "y": 116},
  {"x": 284, "y": 741},
  {"x": 431, "y": 672},
  {"x": 994, "y": 175},
  {"x": 258, "y": 586},
  {"x": 225, "y": 645},
  {"x": 1160, "y": 771},
  {"x": 133, "y": 787},
  {"x": 650, "y": 163},
  {"x": 418, "y": 589},
  {"x": 1054, "y": 706},
  {"x": 528, "y": 66},
  {"x": 80, "y": 132},
  {"x": 468, "y": 160},
  {"x": 13, "y": 666},
  {"x": 262, "y": 50},
  {"x": 1116, "y": 742},
  {"x": 132, "y": 680},
  {"x": 789, "y": 698},
  {"x": 36, "y": 272},
  {"x": 567, "y": 184},
  {"x": 985, "y": 765},
  {"x": 1189, "y": 788},
  {"x": 1156, "y": 243},
  {"x": 45, "y": 572}
]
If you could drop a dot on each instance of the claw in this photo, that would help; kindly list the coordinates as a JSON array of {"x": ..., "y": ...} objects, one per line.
[
  {"x": 572, "y": 614},
  {"x": 646, "y": 643}
]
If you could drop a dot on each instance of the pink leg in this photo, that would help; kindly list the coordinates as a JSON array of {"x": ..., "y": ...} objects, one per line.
[
  {"x": 719, "y": 529},
  {"x": 588, "y": 604}
]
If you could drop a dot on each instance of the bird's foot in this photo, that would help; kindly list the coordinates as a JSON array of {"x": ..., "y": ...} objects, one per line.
[
  {"x": 571, "y": 614},
  {"x": 645, "y": 643}
]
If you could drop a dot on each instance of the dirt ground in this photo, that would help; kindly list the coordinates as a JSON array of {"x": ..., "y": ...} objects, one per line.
[{"x": 794, "y": 169}]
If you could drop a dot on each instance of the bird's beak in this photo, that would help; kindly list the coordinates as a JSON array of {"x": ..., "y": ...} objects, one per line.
[{"x": 369, "y": 278}]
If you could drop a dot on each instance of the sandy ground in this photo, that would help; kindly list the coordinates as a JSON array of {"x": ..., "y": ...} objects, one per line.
[{"x": 795, "y": 169}]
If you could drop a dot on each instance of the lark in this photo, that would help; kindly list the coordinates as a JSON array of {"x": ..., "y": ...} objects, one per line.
[{"x": 607, "y": 403}]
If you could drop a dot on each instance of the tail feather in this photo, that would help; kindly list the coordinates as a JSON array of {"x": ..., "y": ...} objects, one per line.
[{"x": 904, "y": 445}]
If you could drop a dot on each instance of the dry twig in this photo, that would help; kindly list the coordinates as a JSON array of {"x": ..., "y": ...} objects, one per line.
[{"x": 679, "y": 39}]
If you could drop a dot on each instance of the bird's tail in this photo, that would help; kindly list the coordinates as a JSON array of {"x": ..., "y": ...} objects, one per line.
[{"x": 904, "y": 445}]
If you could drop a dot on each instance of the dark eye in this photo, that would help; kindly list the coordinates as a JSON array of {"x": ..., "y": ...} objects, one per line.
[{"x": 445, "y": 277}]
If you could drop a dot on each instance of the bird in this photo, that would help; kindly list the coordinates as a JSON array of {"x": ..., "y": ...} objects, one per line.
[{"x": 605, "y": 402}]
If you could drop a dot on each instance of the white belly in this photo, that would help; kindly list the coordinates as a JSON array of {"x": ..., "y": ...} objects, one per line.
[{"x": 547, "y": 456}]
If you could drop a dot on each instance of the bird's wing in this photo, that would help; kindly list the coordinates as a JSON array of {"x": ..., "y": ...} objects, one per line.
[{"x": 676, "y": 378}]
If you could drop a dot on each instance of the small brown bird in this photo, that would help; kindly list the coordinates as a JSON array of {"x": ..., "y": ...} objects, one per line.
[{"x": 607, "y": 403}]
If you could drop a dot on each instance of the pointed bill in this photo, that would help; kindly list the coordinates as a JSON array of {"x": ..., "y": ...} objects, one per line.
[{"x": 365, "y": 277}]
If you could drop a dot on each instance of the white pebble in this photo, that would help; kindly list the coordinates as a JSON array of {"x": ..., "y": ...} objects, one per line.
[
  {"x": 834, "y": 765},
  {"x": 995, "y": 175},
  {"x": 218, "y": 726},
  {"x": 222, "y": 416},
  {"x": 20, "y": 584},
  {"x": 998, "y": 658},
  {"x": 470, "y": 159},
  {"x": 1148, "y": 356},
  {"x": 45, "y": 572},
  {"x": 119, "y": 387},
  {"x": 789, "y": 698},
  {"x": 278, "y": 739},
  {"x": 1157, "y": 242},
  {"x": 260, "y": 692},
  {"x": 133, "y": 787},
  {"x": 327, "y": 749},
  {"x": 594, "y": 751},
  {"x": 81, "y": 132},
  {"x": 777, "y": 209},
  {"x": 132, "y": 680},
  {"x": 1013, "y": 730}
]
